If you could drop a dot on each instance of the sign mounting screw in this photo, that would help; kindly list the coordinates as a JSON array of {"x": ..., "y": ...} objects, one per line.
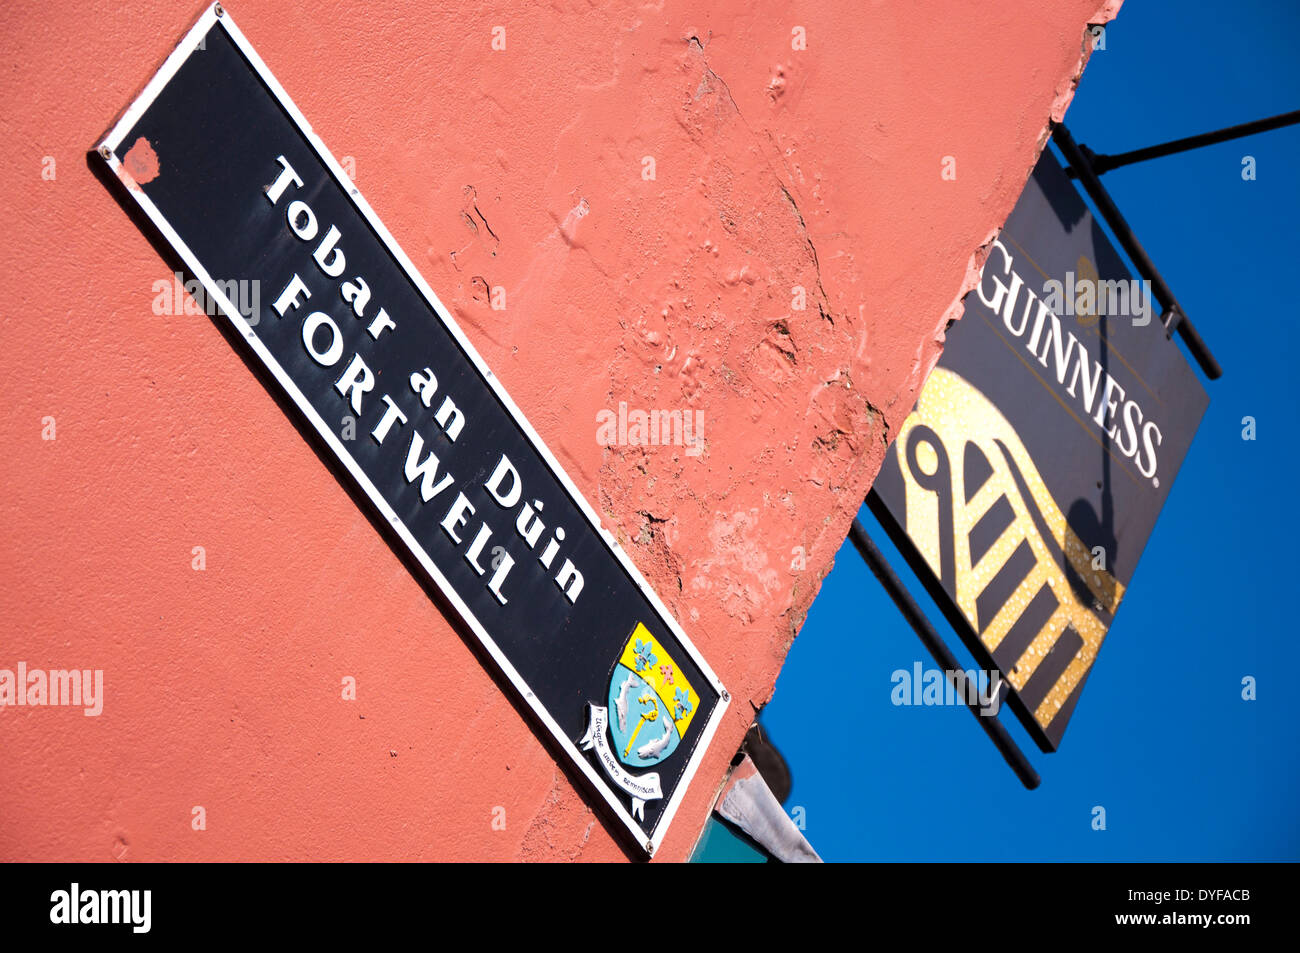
[
  {"x": 105, "y": 151},
  {"x": 216, "y": 8}
]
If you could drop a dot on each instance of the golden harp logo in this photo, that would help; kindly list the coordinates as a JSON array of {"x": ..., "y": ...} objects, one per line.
[
  {"x": 650, "y": 704},
  {"x": 980, "y": 515}
]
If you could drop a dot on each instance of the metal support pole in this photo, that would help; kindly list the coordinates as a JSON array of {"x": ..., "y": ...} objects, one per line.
[
  {"x": 1175, "y": 319},
  {"x": 939, "y": 651},
  {"x": 1101, "y": 164}
]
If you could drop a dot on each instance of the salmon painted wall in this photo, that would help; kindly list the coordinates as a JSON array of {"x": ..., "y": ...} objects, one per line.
[{"x": 525, "y": 169}]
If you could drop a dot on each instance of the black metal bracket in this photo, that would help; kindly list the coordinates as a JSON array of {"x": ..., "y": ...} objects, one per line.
[
  {"x": 1101, "y": 164},
  {"x": 939, "y": 651},
  {"x": 1173, "y": 316}
]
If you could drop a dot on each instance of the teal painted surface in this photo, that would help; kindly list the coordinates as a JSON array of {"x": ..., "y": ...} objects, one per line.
[{"x": 719, "y": 845}]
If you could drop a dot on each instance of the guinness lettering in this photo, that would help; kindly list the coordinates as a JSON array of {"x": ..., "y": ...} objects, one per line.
[{"x": 1099, "y": 395}]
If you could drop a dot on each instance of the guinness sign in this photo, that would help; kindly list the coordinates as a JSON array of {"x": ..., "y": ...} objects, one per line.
[{"x": 1026, "y": 482}]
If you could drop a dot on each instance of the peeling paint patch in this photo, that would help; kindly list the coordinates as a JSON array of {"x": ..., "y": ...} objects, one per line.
[
  {"x": 142, "y": 162},
  {"x": 569, "y": 227}
]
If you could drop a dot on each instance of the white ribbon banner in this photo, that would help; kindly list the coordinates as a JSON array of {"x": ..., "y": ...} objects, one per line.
[{"x": 640, "y": 787}]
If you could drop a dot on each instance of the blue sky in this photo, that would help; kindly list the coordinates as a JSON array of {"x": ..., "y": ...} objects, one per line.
[{"x": 1162, "y": 739}]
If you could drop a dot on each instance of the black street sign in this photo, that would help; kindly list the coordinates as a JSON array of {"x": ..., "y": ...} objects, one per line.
[
  {"x": 228, "y": 170},
  {"x": 1026, "y": 482}
]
